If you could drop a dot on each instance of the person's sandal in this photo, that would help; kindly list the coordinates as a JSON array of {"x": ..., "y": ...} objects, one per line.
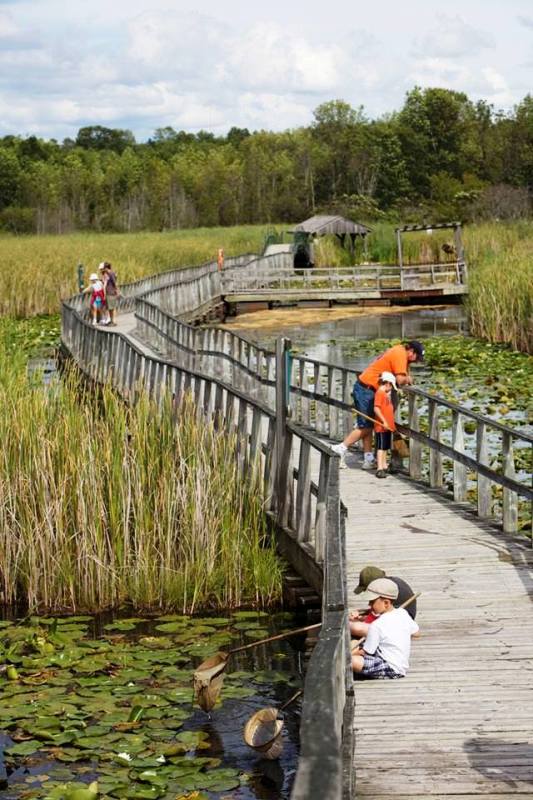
[{"x": 381, "y": 473}]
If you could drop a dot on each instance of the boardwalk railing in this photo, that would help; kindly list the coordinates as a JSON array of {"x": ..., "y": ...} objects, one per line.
[
  {"x": 303, "y": 502},
  {"x": 482, "y": 452},
  {"x": 267, "y": 277}
]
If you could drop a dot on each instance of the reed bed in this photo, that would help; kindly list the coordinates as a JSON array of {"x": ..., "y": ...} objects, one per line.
[
  {"x": 103, "y": 504},
  {"x": 500, "y": 300},
  {"x": 39, "y": 271}
]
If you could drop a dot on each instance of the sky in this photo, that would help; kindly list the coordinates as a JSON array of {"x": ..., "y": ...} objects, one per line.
[{"x": 147, "y": 64}]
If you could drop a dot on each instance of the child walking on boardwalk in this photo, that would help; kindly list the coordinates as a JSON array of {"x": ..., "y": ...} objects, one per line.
[
  {"x": 384, "y": 424},
  {"x": 97, "y": 300},
  {"x": 387, "y": 647}
]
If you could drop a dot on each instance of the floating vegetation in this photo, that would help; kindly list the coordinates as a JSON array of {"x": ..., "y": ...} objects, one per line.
[
  {"x": 488, "y": 378},
  {"x": 88, "y": 718}
]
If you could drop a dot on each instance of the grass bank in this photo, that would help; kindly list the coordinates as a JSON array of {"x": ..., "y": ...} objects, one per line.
[{"x": 104, "y": 504}]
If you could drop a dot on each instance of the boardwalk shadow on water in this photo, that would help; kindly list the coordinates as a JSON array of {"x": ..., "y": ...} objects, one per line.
[{"x": 502, "y": 761}]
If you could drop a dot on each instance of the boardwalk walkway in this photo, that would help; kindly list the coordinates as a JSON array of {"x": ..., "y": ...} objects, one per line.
[{"x": 461, "y": 723}]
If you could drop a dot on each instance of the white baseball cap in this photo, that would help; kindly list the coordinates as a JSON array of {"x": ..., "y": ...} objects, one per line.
[
  {"x": 389, "y": 377},
  {"x": 94, "y": 277}
]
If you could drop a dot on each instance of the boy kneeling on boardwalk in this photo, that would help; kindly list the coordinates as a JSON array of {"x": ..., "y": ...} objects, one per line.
[{"x": 386, "y": 649}]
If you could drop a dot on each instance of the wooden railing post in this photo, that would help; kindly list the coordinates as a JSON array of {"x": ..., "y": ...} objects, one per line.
[
  {"x": 415, "y": 448},
  {"x": 484, "y": 485},
  {"x": 510, "y": 498},
  {"x": 435, "y": 458},
  {"x": 283, "y": 437},
  {"x": 459, "y": 470}
]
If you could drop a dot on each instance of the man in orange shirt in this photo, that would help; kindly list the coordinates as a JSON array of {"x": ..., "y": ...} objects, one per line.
[{"x": 396, "y": 360}]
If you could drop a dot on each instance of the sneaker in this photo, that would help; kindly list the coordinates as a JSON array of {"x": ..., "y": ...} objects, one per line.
[
  {"x": 341, "y": 451},
  {"x": 94, "y": 322},
  {"x": 369, "y": 463},
  {"x": 381, "y": 473}
]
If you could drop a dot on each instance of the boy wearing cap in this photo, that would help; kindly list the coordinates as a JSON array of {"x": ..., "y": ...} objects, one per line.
[
  {"x": 387, "y": 647},
  {"x": 384, "y": 424},
  {"x": 359, "y": 622},
  {"x": 395, "y": 360}
]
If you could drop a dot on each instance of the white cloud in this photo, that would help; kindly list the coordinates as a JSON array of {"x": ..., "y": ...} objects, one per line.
[
  {"x": 452, "y": 37},
  {"x": 122, "y": 65}
]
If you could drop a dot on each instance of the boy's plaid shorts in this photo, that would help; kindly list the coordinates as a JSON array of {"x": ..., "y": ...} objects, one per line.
[{"x": 375, "y": 667}]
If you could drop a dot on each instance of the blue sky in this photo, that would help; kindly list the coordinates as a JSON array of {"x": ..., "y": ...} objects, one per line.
[{"x": 142, "y": 65}]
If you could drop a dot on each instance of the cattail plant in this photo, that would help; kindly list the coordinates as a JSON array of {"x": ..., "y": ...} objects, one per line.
[{"x": 103, "y": 504}]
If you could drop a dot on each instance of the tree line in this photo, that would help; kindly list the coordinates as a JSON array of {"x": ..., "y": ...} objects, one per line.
[{"x": 441, "y": 156}]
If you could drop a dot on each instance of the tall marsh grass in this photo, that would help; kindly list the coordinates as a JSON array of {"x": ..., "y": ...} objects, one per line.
[
  {"x": 104, "y": 504},
  {"x": 500, "y": 300},
  {"x": 39, "y": 271}
]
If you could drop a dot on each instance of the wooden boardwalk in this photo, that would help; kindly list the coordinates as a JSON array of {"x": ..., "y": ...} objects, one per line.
[{"x": 461, "y": 723}]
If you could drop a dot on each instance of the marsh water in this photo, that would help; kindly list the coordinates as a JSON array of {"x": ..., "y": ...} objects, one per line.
[
  {"x": 333, "y": 341},
  {"x": 66, "y": 717}
]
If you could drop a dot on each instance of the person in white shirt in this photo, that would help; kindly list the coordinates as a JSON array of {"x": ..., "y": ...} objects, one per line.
[{"x": 386, "y": 649}]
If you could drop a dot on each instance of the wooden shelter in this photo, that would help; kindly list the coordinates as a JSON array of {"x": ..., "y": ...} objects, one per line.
[{"x": 323, "y": 225}]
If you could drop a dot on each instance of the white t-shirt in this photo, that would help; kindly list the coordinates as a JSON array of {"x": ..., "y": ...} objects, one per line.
[{"x": 391, "y": 636}]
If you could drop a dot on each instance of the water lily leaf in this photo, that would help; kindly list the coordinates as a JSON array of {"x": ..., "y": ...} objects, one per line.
[
  {"x": 250, "y": 615},
  {"x": 69, "y": 754},
  {"x": 152, "y": 777},
  {"x": 192, "y": 738},
  {"x": 258, "y": 633},
  {"x": 144, "y": 792},
  {"x": 122, "y": 625},
  {"x": 236, "y": 692},
  {"x": 170, "y": 627},
  {"x": 156, "y": 642},
  {"x": 247, "y": 625},
  {"x": 23, "y": 748}
]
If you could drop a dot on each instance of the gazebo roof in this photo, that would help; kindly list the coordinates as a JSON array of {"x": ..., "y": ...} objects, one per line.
[{"x": 323, "y": 224}]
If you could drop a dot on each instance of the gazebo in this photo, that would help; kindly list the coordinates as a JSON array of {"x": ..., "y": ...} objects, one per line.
[{"x": 323, "y": 225}]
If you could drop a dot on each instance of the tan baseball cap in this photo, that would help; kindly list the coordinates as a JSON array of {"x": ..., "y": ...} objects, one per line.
[{"x": 383, "y": 587}]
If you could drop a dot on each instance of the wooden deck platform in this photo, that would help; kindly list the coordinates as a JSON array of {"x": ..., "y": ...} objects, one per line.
[{"x": 461, "y": 723}]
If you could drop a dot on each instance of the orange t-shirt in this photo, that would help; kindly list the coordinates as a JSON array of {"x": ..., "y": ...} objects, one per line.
[
  {"x": 392, "y": 360},
  {"x": 383, "y": 401}
]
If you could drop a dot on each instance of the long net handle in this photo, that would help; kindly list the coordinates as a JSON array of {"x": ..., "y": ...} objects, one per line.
[
  {"x": 285, "y": 635},
  {"x": 408, "y": 602},
  {"x": 371, "y": 419},
  {"x": 295, "y": 696}
]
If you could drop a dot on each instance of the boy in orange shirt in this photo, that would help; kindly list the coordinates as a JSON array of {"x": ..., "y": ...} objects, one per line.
[{"x": 384, "y": 425}]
